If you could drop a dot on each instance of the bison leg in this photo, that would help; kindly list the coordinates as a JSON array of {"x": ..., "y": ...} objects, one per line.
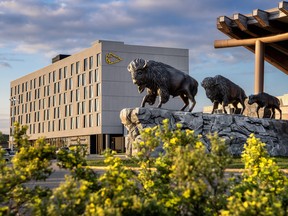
[
  {"x": 193, "y": 104},
  {"x": 215, "y": 106},
  {"x": 257, "y": 111},
  {"x": 185, "y": 100},
  {"x": 279, "y": 112},
  {"x": 272, "y": 116},
  {"x": 164, "y": 97},
  {"x": 192, "y": 99},
  {"x": 235, "y": 105},
  {"x": 223, "y": 106},
  {"x": 144, "y": 101},
  {"x": 243, "y": 107}
]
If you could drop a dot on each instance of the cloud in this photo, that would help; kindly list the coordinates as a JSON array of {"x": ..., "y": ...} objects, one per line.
[
  {"x": 65, "y": 26},
  {"x": 4, "y": 65}
]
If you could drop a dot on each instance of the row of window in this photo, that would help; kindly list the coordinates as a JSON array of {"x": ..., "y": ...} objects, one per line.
[
  {"x": 57, "y": 75},
  {"x": 46, "y": 114},
  {"x": 65, "y": 98},
  {"x": 57, "y": 88},
  {"x": 72, "y": 123}
]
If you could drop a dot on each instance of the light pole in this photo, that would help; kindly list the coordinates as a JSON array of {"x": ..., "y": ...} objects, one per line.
[{"x": 13, "y": 103}]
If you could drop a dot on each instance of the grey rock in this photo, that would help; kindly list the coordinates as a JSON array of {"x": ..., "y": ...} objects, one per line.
[{"x": 235, "y": 129}]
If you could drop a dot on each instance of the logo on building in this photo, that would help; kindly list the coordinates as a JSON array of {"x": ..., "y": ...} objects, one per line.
[{"x": 111, "y": 58}]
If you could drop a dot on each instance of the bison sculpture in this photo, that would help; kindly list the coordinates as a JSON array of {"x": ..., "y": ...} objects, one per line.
[
  {"x": 221, "y": 90},
  {"x": 162, "y": 80},
  {"x": 266, "y": 101}
]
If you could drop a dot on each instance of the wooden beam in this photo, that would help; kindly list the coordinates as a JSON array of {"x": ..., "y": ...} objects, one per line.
[
  {"x": 225, "y": 22},
  {"x": 283, "y": 7},
  {"x": 261, "y": 17},
  {"x": 241, "y": 21},
  {"x": 249, "y": 42}
]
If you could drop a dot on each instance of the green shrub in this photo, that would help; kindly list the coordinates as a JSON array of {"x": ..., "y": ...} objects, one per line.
[
  {"x": 187, "y": 179},
  {"x": 263, "y": 188}
]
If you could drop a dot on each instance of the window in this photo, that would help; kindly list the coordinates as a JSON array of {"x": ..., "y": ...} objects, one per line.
[
  {"x": 78, "y": 108},
  {"x": 54, "y": 100},
  {"x": 65, "y": 98},
  {"x": 98, "y": 89},
  {"x": 71, "y": 123},
  {"x": 54, "y": 76},
  {"x": 60, "y": 73},
  {"x": 85, "y": 92},
  {"x": 66, "y": 110},
  {"x": 90, "y": 62},
  {"x": 84, "y": 121},
  {"x": 90, "y": 91},
  {"x": 98, "y": 60},
  {"x": 83, "y": 107},
  {"x": 77, "y": 67},
  {"x": 96, "y": 75},
  {"x": 72, "y": 69},
  {"x": 91, "y": 120},
  {"x": 59, "y": 99},
  {"x": 65, "y": 72},
  {"x": 64, "y": 124},
  {"x": 96, "y": 105},
  {"x": 59, "y": 125},
  {"x": 79, "y": 80},
  {"x": 83, "y": 79},
  {"x": 55, "y": 113},
  {"x": 77, "y": 94},
  {"x": 77, "y": 122},
  {"x": 98, "y": 119},
  {"x": 85, "y": 64},
  {"x": 90, "y": 77},
  {"x": 71, "y": 96},
  {"x": 90, "y": 108}
]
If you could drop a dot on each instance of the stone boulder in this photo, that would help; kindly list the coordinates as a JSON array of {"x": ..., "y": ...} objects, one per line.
[{"x": 235, "y": 129}]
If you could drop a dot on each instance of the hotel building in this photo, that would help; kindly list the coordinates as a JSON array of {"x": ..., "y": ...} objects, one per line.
[{"x": 78, "y": 98}]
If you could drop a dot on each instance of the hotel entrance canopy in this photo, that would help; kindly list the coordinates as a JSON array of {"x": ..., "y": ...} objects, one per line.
[{"x": 264, "y": 32}]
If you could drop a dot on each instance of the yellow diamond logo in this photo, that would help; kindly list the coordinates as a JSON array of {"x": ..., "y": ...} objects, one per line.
[{"x": 111, "y": 58}]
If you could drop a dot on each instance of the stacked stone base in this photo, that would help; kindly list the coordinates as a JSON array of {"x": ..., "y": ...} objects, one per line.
[{"x": 235, "y": 129}]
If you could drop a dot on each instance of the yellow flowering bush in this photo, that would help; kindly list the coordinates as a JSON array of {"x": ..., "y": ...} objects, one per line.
[
  {"x": 263, "y": 187},
  {"x": 188, "y": 178}
]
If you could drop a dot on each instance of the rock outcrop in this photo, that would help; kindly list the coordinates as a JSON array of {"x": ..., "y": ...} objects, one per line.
[{"x": 235, "y": 129}]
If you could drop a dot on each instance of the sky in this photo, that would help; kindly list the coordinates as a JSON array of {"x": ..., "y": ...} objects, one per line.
[{"x": 32, "y": 32}]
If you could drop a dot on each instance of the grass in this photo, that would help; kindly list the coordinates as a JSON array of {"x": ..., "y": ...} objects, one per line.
[{"x": 282, "y": 162}]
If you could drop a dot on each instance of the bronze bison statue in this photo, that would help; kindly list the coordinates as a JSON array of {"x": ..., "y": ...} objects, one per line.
[
  {"x": 221, "y": 90},
  {"x": 266, "y": 101},
  {"x": 162, "y": 80}
]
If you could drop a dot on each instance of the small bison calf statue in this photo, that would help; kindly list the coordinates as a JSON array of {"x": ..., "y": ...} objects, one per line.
[
  {"x": 221, "y": 90},
  {"x": 162, "y": 80},
  {"x": 264, "y": 100}
]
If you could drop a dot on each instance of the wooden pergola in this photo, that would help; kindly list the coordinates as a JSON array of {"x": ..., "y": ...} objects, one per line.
[{"x": 263, "y": 32}]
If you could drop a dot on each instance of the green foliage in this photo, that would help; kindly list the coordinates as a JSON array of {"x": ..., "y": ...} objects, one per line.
[
  {"x": 263, "y": 189},
  {"x": 186, "y": 176},
  {"x": 30, "y": 163},
  {"x": 186, "y": 179}
]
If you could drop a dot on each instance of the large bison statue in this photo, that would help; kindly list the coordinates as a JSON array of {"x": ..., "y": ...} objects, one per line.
[
  {"x": 162, "y": 80},
  {"x": 266, "y": 101},
  {"x": 221, "y": 90}
]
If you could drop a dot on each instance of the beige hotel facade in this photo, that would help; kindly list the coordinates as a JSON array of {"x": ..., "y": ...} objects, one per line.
[{"x": 78, "y": 98}]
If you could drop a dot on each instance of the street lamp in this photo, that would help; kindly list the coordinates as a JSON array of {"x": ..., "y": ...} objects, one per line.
[{"x": 13, "y": 105}]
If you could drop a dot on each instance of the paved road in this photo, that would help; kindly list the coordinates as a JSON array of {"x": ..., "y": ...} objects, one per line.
[{"x": 58, "y": 176}]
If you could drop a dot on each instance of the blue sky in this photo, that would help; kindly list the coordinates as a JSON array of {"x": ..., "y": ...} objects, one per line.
[{"x": 34, "y": 31}]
